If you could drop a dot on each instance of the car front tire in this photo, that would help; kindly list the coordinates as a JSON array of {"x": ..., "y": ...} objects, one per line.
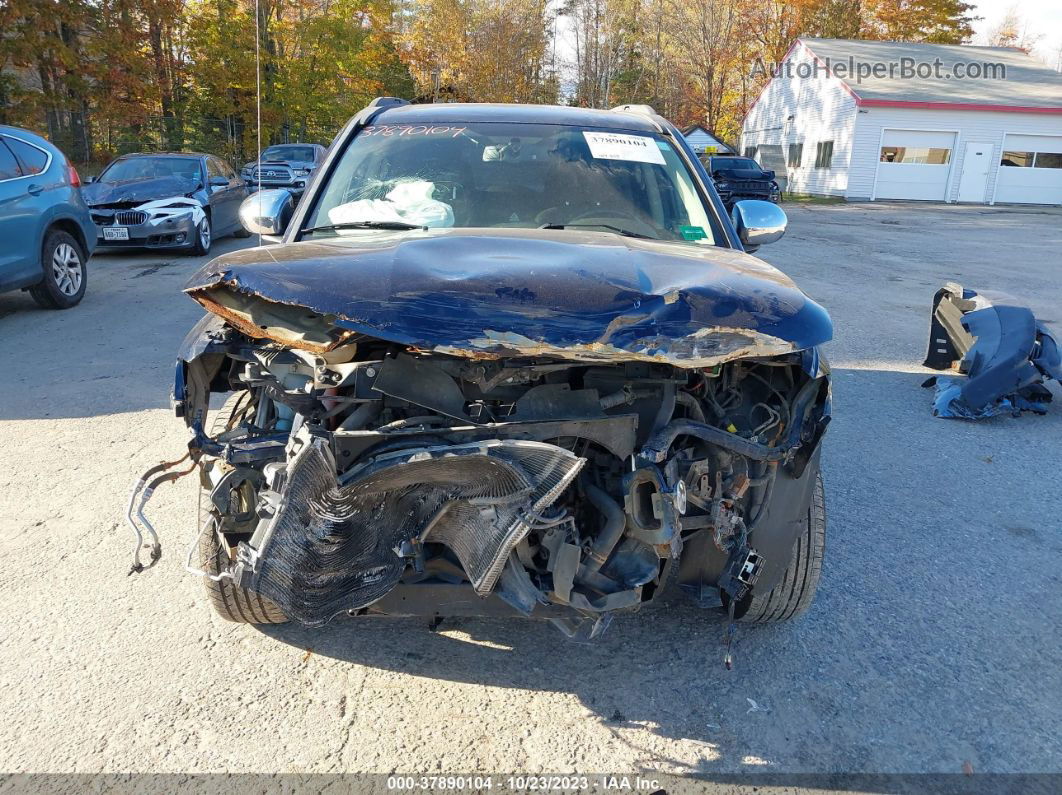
[
  {"x": 204, "y": 237},
  {"x": 229, "y": 601},
  {"x": 793, "y": 595},
  {"x": 63, "y": 261}
]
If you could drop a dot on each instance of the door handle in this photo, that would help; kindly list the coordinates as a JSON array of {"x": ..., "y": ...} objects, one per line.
[{"x": 35, "y": 189}]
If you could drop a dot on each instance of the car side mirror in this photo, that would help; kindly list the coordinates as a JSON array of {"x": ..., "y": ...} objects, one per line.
[
  {"x": 267, "y": 212},
  {"x": 219, "y": 182},
  {"x": 758, "y": 223},
  {"x": 90, "y": 180}
]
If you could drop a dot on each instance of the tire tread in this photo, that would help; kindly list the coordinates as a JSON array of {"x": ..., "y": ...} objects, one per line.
[
  {"x": 792, "y": 596},
  {"x": 229, "y": 601}
]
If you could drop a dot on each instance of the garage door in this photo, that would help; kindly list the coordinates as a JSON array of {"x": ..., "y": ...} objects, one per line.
[
  {"x": 1030, "y": 170},
  {"x": 914, "y": 164}
]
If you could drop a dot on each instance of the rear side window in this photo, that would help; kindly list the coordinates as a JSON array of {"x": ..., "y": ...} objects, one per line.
[
  {"x": 8, "y": 165},
  {"x": 33, "y": 160},
  {"x": 226, "y": 169}
]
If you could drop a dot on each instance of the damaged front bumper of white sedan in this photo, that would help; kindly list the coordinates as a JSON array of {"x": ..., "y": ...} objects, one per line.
[{"x": 161, "y": 223}]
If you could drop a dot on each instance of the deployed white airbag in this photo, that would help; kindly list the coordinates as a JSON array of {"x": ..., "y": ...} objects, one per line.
[{"x": 408, "y": 202}]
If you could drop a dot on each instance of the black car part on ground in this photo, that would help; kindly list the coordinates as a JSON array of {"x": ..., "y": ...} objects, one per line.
[
  {"x": 1002, "y": 350},
  {"x": 401, "y": 457}
]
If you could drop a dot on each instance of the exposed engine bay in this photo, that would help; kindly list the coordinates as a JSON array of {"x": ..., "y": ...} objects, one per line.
[{"x": 376, "y": 477}]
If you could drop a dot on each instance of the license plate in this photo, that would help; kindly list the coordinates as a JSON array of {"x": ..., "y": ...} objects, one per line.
[{"x": 115, "y": 233}]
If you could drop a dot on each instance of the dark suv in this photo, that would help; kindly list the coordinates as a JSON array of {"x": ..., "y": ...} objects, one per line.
[
  {"x": 287, "y": 166},
  {"x": 506, "y": 360},
  {"x": 738, "y": 178}
]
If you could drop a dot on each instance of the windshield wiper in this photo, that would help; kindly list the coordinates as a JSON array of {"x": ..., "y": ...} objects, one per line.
[
  {"x": 616, "y": 229},
  {"x": 399, "y": 225}
]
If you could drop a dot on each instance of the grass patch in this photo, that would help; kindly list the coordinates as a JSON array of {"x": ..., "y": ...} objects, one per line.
[{"x": 804, "y": 198}]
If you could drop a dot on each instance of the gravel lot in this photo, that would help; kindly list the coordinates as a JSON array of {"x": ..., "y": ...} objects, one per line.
[{"x": 934, "y": 641}]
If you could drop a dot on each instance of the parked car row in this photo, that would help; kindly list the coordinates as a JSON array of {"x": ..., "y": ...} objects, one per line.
[
  {"x": 50, "y": 223},
  {"x": 182, "y": 200}
]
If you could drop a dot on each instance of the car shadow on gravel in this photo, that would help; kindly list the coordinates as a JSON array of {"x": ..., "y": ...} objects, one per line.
[{"x": 661, "y": 669}]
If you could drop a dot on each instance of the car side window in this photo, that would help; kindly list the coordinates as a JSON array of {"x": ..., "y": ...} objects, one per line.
[
  {"x": 226, "y": 170},
  {"x": 32, "y": 159},
  {"x": 214, "y": 168},
  {"x": 8, "y": 165}
]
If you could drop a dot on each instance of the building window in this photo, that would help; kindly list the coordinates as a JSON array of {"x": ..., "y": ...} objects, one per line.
[
  {"x": 927, "y": 156},
  {"x": 750, "y": 152},
  {"x": 1018, "y": 159},
  {"x": 824, "y": 154},
  {"x": 796, "y": 155},
  {"x": 1032, "y": 159}
]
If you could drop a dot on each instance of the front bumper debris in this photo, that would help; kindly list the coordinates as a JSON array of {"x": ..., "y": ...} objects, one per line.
[
  {"x": 1004, "y": 353},
  {"x": 327, "y": 546},
  {"x": 165, "y": 223}
]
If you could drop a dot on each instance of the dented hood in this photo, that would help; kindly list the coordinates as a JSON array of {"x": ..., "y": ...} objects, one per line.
[
  {"x": 137, "y": 190},
  {"x": 577, "y": 295}
]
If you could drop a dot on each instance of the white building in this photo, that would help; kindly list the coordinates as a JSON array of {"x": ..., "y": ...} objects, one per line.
[
  {"x": 871, "y": 120},
  {"x": 703, "y": 142}
]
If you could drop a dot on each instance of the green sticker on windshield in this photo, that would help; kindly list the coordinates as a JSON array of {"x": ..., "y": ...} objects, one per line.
[{"x": 693, "y": 232}]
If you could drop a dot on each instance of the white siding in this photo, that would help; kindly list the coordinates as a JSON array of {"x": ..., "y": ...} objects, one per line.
[
  {"x": 822, "y": 110},
  {"x": 699, "y": 140},
  {"x": 972, "y": 126}
]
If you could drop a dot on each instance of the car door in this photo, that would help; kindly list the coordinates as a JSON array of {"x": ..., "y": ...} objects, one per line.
[
  {"x": 19, "y": 207},
  {"x": 237, "y": 191},
  {"x": 225, "y": 196}
]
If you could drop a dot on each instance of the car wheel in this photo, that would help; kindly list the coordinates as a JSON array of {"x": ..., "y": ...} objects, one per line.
[
  {"x": 229, "y": 601},
  {"x": 203, "y": 237},
  {"x": 793, "y": 595},
  {"x": 64, "y": 280}
]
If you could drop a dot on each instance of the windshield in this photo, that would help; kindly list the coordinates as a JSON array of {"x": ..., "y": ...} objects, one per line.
[
  {"x": 735, "y": 164},
  {"x": 512, "y": 175},
  {"x": 147, "y": 167},
  {"x": 302, "y": 153}
]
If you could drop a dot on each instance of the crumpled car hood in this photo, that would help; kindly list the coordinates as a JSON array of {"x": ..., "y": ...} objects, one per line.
[
  {"x": 489, "y": 293},
  {"x": 137, "y": 190}
]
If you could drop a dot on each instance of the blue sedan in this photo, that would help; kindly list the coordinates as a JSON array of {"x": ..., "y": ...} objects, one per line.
[{"x": 46, "y": 232}]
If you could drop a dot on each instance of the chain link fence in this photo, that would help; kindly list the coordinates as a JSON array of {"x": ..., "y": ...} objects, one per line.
[{"x": 91, "y": 141}]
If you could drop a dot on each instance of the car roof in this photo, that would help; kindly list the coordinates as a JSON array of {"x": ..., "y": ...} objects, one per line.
[
  {"x": 32, "y": 137},
  {"x": 450, "y": 113},
  {"x": 187, "y": 155}
]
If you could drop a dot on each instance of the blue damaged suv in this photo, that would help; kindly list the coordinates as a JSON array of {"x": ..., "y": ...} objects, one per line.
[{"x": 46, "y": 232}]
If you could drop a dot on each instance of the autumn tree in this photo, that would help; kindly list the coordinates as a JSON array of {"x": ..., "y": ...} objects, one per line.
[
  {"x": 480, "y": 50},
  {"x": 1013, "y": 31},
  {"x": 937, "y": 21}
]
